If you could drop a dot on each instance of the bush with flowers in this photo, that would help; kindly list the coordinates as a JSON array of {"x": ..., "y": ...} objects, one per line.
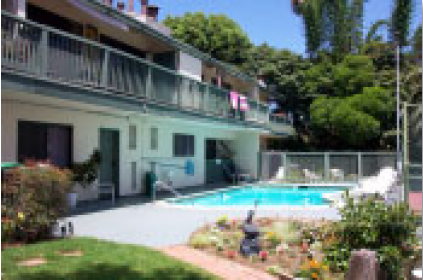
[
  {"x": 223, "y": 222},
  {"x": 371, "y": 224},
  {"x": 313, "y": 270},
  {"x": 33, "y": 199}
]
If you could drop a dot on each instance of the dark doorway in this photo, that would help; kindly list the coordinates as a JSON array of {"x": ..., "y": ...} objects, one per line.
[
  {"x": 218, "y": 155},
  {"x": 109, "y": 150}
]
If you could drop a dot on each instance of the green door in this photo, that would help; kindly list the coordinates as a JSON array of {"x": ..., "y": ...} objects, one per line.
[{"x": 109, "y": 150}]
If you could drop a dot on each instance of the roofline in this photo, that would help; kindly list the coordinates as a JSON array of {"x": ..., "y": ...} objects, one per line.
[{"x": 132, "y": 22}]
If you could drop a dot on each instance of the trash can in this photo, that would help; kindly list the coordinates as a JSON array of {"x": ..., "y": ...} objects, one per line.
[{"x": 150, "y": 180}]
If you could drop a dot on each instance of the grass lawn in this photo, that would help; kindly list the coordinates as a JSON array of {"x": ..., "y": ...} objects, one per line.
[{"x": 94, "y": 259}]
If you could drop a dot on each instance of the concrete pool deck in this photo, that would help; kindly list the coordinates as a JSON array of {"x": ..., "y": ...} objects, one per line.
[{"x": 133, "y": 221}]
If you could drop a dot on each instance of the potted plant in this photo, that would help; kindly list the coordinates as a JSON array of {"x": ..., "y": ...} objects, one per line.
[{"x": 83, "y": 174}]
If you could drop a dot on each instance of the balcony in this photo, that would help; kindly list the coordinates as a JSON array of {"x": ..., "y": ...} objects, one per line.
[{"x": 38, "y": 51}]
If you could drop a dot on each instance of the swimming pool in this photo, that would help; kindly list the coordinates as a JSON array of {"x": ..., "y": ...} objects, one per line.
[{"x": 262, "y": 195}]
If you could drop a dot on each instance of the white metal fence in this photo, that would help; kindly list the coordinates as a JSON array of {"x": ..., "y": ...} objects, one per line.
[{"x": 348, "y": 167}]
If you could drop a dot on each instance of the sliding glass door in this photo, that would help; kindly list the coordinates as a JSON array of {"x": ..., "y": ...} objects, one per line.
[{"x": 45, "y": 141}]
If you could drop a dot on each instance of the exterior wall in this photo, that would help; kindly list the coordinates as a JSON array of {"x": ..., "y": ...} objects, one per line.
[
  {"x": 190, "y": 66},
  {"x": 247, "y": 148},
  {"x": 86, "y": 127},
  {"x": 164, "y": 153},
  {"x": 85, "y": 136}
]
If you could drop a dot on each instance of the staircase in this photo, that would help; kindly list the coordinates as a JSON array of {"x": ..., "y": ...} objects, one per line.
[{"x": 231, "y": 171}]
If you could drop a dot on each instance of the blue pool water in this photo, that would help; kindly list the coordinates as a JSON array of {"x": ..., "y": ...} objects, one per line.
[{"x": 263, "y": 196}]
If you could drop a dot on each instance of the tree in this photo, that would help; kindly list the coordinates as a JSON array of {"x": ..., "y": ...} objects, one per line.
[
  {"x": 417, "y": 43},
  {"x": 400, "y": 21},
  {"x": 372, "y": 35},
  {"x": 333, "y": 25},
  {"x": 216, "y": 35},
  {"x": 353, "y": 74},
  {"x": 356, "y": 121}
]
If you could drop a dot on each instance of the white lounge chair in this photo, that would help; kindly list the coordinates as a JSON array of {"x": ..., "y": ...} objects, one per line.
[
  {"x": 383, "y": 184},
  {"x": 337, "y": 174},
  {"x": 311, "y": 175},
  {"x": 280, "y": 175}
]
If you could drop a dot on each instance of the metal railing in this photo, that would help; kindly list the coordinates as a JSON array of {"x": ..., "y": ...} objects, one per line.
[
  {"x": 44, "y": 52},
  {"x": 348, "y": 167}
]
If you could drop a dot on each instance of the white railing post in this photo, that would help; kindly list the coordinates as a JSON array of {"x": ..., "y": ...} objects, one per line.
[
  {"x": 360, "y": 165},
  {"x": 327, "y": 166},
  {"x": 148, "y": 83},
  {"x": 44, "y": 52},
  {"x": 287, "y": 170},
  {"x": 105, "y": 69},
  {"x": 284, "y": 164}
]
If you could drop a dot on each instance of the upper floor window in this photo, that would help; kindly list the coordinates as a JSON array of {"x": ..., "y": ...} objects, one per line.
[{"x": 183, "y": 145}]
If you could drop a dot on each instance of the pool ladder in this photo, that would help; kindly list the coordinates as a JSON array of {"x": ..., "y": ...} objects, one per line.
[{"x": 167, "y": 186}]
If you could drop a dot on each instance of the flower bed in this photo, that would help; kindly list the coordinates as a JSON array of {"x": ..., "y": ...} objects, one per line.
[
  {"x": 288, "y": 247},
  {"x": 321, "y": 249}
]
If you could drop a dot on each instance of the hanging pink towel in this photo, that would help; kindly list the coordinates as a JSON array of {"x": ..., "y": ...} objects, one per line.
[
  {"x": 234, "y": 96},
  {"x": 243, "y": 104}
]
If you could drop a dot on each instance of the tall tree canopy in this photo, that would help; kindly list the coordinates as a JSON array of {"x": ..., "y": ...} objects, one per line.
[
  {"x": 216, "y": 35},
  {"x": 284, "y": 70},
  {"x": 400, "y": 22},
  {"x": 332, "y": 25}
]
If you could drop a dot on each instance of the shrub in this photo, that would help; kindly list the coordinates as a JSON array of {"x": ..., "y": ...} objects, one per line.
[
  {"x": 312, "y": 269},
  {"x": 201, "y": 241},
  {"x": 33, "y": 199},
  {"x": 85, "y": 173},
  {"x": 223, "y": 222},
  {"x": 288, "y": 232},
  {"x": 371, "y": 224}
]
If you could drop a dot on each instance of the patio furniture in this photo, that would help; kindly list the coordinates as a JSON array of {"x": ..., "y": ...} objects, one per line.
[
  {"x": 106, "y": 188},
  {"x": 337, "y": 174},
  {"x": 280, "y": 175},
  {"x": 384, "y": 184},
  {"x": 311, "y": 175}
]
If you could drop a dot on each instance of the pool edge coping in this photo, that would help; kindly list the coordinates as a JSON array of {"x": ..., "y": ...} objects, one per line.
[{"x": 170, "y": 202}]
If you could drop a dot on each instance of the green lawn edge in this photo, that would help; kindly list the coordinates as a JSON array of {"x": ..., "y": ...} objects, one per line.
[{"x": 100, "y": 260}]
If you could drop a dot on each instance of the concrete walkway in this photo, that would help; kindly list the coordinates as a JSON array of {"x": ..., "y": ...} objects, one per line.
[
  {"x": 221, "y": 267},
  {"x": 159, "y": 226}
]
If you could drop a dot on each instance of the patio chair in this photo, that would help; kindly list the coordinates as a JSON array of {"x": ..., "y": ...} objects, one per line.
[
  {"x": 280, "y": 175},
  {"x": 311, "y": 176},
  {"x": 385, "y": 184},
  {"x": 337, "y": 174}
]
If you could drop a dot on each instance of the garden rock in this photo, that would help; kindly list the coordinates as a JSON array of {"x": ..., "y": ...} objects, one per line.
[{"x": 363, "y": 266}]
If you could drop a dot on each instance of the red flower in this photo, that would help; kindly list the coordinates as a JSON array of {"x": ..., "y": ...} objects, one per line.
[
  {"x": 231, "y": 254},
  {"x": 304, "y": 247},
  {"x": 263, "y": 255}
]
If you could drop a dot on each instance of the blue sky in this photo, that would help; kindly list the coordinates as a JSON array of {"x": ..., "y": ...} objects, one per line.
[{"x": 270, "y": 21}]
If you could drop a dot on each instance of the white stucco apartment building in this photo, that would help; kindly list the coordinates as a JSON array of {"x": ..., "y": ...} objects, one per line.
[{"x": 86, "y": 75}]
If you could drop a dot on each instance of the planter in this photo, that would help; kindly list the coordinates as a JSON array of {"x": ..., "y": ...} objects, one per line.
[{"x": 72, "y": 199}]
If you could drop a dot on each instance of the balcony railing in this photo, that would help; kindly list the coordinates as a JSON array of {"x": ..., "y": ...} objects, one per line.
[{"x": 41, "y": 51}]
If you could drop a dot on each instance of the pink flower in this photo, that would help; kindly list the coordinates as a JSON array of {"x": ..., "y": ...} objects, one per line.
[
  {"x": 263, "y": 255},
  {"x": 304, "y": 247},
  {"x": 231, "y": 254}
]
